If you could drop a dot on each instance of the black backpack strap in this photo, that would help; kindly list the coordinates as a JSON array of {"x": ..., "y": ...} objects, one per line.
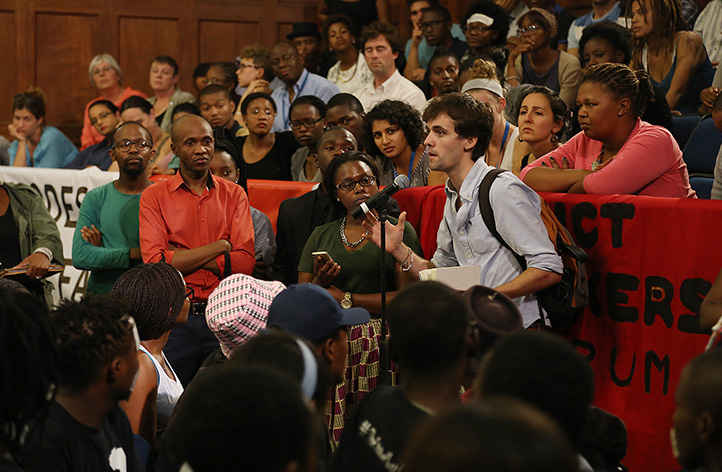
[
  {"x": 227, "y": 265},
  {"x": 487, "y": 213}
]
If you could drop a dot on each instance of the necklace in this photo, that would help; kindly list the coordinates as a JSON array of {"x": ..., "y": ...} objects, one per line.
[
  {"x": 350, "y": 75},
  {"x": 343, "y": 235}
]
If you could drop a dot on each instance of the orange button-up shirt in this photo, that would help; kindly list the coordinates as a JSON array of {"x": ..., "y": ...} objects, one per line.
[{"x": 172, "y": 213}]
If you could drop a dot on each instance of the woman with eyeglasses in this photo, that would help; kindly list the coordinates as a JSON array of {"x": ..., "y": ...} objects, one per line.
[
  {"x": 159, "y": 300},
  {"x": 36, "y": 144},
  {"x": 536, "y": 61},
  {"x": 486, "y": 26},
  {"x": 106, "y": 76},
  {"x": 351, "y": 271},
  {"x": 350, "y": 72},
  {"x": 266, "y": 154},
  {"x": 397, "y": 135}
]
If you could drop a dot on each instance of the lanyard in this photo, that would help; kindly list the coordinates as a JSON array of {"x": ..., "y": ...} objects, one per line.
[
  {"x": 411, "y": 166},
  {"x": 287, "y": 118},
  {"x": 503, "y": 144}
]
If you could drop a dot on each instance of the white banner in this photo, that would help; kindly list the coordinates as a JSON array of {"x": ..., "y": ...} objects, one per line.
[{"x": 63, "y": 192}]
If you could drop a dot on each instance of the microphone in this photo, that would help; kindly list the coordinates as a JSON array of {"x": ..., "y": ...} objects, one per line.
[{"x": 379, "y": 200}]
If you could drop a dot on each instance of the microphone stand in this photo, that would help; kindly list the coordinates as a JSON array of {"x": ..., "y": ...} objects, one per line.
[{"x": 384, "y": 364}]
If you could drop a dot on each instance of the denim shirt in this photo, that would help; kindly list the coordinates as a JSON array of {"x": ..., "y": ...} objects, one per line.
[{"x": 463, "y": 238}]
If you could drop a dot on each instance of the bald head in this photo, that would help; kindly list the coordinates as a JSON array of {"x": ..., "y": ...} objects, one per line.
[
  {"x": 286, "y": 62},
  {"x": 182, "y": 125}
]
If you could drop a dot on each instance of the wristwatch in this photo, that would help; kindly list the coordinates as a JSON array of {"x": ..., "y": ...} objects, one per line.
[{"x": 346, "y": 302}]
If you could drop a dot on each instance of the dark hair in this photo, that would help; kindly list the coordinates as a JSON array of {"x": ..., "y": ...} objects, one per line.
[
  {"x": 187, "y": 107},
  {"x": 155, "y": 293},
  {"x": 258, "y": 410},
  {"x": 33, "y": 100},
  {"x": 313, "y": 147},
  {"x": 441, "y": 10},
  {"x": 430, "y": 2},
  {"x": 502, "y": 435},
  {"x": 397, "y": 113},
  {"x": 557, "y": 106},
  {"x": 441, "y": 52},
  {"x": 428, "y": 326},
  {"x": 622, "y": 82},
  {"x": 111, "y": 138},
  {"x": 254, "y": 96},
  {"x": 667, "y": 21},
  {"x": 229, "y": 72},
  {"x": 310, "y": 100},
  {"x": 106, "y": 103},
  {"x": 279, "y": 350},
  {"x": 168, "y": 61},
  {"x": 338, "y": 18},
  {"x": 201, "y": 70},
  {"x": 617, "y": 35},
  {"x": 136, "y": 101},
  {"x": 337, "y": 208},
  {"x": 472, "y": 118},
  {"x": 495, "y": 12},
  {"x": 213, "y": 89},
  {"x": 389, "y": 32},
  {"x": 546, "y": 372},
  {"x": 28, "y": 366},
  {"x": 261, "y": 56},
  {"x": 346, "y": 99},
  {"x": 91, "y": 333},
  {"x": 703, "y": 386}
]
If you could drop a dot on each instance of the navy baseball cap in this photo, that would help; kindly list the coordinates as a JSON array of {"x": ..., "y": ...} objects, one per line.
[{"x": 309, "y": 311}]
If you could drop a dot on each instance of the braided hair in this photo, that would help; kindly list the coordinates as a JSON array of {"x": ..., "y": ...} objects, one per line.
[
  {"x": 28, "y": 366},
  {"x": 155, "y": 293},
  {"x": 622, "y": 82}
]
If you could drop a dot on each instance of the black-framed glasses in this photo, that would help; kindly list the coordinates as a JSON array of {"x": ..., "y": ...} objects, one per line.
[
  {"x": 349, "y": 184},
  {"x": 141, "y": 145},
  {"x": 190, "y": 293},
  {"x": 529, "y": 29},
  {"x": 474, "y": 28},
  {"x": 431, "y": 24},
  {"x": 308, "y": 123}
]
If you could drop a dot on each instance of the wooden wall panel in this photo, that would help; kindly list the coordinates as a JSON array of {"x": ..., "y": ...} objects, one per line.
[
  {"x": 223, "y": 40},
  {"x": 140, "y": 40},
  {"x": 9, "y": 61},
  {"x": 64, "y": 45}
]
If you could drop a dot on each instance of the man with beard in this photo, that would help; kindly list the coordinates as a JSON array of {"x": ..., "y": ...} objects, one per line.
[
  {"x": 201, "y": 224},
  {"x": 106, "y": 240},
  {"x": 85, "y": 430},
  {"x": 289, "y": 67}
]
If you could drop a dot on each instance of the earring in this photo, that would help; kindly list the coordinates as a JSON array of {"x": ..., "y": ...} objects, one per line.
[
  {"x": 519, "y": 139},
  {"x": 620, "y": 114},
  {"x": 554, "y": 138}
]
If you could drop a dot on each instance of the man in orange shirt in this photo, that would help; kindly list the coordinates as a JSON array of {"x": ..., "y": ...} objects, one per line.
[{"x": 202, "y": 225}]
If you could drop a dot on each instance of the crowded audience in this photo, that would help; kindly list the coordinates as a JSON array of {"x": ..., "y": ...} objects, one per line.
[{"x": 207, "y": 335}]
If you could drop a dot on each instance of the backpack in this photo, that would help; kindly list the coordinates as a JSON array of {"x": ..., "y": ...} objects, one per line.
[{"x": 564, "y": 301}]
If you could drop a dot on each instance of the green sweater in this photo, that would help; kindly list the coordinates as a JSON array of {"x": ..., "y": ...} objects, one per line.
[{"x": 115, "y": 214}]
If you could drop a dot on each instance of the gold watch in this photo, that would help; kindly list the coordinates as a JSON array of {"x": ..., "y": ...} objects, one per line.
[{"x": 346, "y": 302}]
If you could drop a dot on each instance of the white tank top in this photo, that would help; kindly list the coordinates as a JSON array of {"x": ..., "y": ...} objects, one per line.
[{"x": 169, "y": 391}]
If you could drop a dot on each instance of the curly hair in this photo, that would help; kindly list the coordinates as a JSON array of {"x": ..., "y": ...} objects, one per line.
[
  {"x": 155, "y": 293},
  {"x": 28, "y": 367},
  {"x": 559, "y": 109},
  {"x": 337, "y": 208},
  {"x": 398, "y": 113},
  {"x": 622, "y": 82},
  {"x": 91, "y": 333},
  {"x": 376, "y": 29},
  {"x": 345, "y": 20},
  {"x": 261, "y": 56},
  {"x": 617, "y": 35}
]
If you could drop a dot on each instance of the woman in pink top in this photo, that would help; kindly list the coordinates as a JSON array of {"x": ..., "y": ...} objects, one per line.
[
  {"x": 105, "y": 75},
  {"x": 616, "y": 152}
]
